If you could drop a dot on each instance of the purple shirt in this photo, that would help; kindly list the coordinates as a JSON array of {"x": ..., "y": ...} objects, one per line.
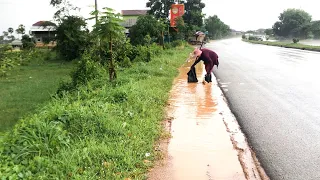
[{"x": 209, "y": 57}]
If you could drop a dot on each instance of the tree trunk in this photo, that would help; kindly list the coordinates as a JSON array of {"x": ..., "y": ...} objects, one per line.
[
  {"x": 162, "y": 39},
  {"x": 112, "y": 70}
]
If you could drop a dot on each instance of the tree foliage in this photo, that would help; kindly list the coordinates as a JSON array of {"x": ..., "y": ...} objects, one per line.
[
  {"x": 21, "y": 29},
  {"x": 109, "y": 30},
  {"x": 72, "y": 37},
  {"x": 216, "y": 28},
  {"x": 27, "y": 42},
  {"x": 193, "y": 12},
  {"x": 159, "y": 8},
  {"x": 5, "y": 34},
  {"x": 146, "y": 25},
  {"x": 269, "y": 32},
  {"x": 292, "y": 22},
  {"x": 64, "y": 7},
  {"x": 315, "y": 29},
  {"x": 182, "y": 29},
  {"x": 10, "y": 30}
]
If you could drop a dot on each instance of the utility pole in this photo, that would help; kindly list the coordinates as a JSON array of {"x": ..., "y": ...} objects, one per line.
[{"x": 96, "y": 8}]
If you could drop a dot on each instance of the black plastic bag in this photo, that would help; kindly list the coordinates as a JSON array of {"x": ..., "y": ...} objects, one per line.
[
  {"x": 208, "y": 78},
  {"x": 192, "y": 76}
]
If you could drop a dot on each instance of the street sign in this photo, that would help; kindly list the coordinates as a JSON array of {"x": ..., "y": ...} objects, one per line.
[{"x": 177, "y": 10}]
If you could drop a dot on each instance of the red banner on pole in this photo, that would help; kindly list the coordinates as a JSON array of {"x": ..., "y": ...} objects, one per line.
[{"x": 177, "y": 10}]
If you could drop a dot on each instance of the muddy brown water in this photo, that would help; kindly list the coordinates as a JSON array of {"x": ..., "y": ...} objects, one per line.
[{"x": 200, "y": 147}]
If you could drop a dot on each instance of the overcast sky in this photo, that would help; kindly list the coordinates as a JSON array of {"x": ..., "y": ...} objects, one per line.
[{"x": 240, "y": 15}]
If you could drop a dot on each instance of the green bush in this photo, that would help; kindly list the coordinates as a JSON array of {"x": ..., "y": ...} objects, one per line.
[
  {"x": 243, "y": 36},
  {"x": 143, "y": 54},
  {"x": 27, "y": 42},
  {"x": 6, "y": 47},
  {"x": 72, "y": 37},
  {"x": 168, "y": 46},
  {"x": 146, "y": 26},
  {"x": 124, "y": 53},
  {"x": 86, "y": 71},
  {"x": 295, "y": 40},
  {"x": 178, "y": 43}
]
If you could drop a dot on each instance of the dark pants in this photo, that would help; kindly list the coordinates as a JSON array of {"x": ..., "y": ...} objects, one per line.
[{"x": 209, "y": 67}]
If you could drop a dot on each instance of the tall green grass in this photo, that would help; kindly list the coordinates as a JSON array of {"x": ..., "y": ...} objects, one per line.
[
  {"x": 104, "y": 130},
  {"x": 287, "y": 45},
  {"x": 27, "y": 87}
]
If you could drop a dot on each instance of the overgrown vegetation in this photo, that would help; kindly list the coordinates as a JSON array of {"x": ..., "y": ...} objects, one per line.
[
  {"x": 72, "y": 37},
  {"x": 102, "y": 130},
  {"x": 103, "y": 121},
  {"x": 146, "y": 25}
]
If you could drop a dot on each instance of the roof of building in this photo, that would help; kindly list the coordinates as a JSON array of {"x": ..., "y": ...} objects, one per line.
[
  {"x": 44, "y": 23},
  {"x": 43, "y": 26},
  {"x": 133, "y": 12},
  {"x": 43, "y": 29}
]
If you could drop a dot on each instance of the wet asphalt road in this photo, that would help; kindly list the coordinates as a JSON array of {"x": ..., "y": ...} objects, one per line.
[{"x": 275, "y": 94}]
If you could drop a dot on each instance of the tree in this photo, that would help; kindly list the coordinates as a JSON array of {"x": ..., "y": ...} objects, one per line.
[
  {"x": 146, "y": 25},
  {"x": 159, "y": 8},
  {"x": 27, "y": 42},
  {"x": 216, "y": 28},
  {"x": 64, "y": 8},
  {"x": 10, "y": 30},
  {"x": 108, "y": 30},
  {"x": 182, "y": 30},
  {"x": 5, "y": 34},
  {"x": 21, "y": 29},
  {"x": 315, "y": 29},
  {"x": 269, "y": 32},
  {"x": 193, "y": 12},
  {"x": 72, "y": 37},
  {"x": 291, "y": 22}
]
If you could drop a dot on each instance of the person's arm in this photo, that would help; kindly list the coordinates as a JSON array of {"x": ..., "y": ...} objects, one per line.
[{"x": 196, "y": 62}]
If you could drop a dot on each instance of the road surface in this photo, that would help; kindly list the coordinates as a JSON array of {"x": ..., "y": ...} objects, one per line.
[{"x": 275, "y": 94}]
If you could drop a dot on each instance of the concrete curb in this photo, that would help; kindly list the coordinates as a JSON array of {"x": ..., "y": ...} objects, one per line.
[{"x": 247, "y": 158}]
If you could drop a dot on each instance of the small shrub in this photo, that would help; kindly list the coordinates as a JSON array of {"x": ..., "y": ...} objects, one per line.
[
  {"x": 144, "y": 54},
  {"x": 124, "y": 53},
  {"x": 86, "y": 71},
  {"x": 177, "y": 43},
  {"x": 243, "y": 36},
  {"x": 295, "y": 40},
  {"x": 155, "y": 49},
  {"x": 168, "y": 46},
  {"x": 120, "y": 96}
]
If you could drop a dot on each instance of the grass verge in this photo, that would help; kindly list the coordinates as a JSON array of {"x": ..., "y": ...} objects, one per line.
[
  {"x": 287, "y": 45},
  {"x": 27, "y": 87},
  {"x": 103, "y": 130}
]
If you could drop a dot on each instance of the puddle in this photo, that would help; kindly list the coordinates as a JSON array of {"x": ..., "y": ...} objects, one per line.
[{"x": 200, "y": 147}]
